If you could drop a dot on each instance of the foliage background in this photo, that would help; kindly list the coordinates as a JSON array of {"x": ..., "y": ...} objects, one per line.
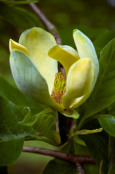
[{"x": 94, "y": 18}]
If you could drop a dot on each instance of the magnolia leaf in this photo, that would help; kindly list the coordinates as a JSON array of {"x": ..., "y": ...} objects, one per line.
[
  {"x": 97, "y": 144},
  {"x": 31, "y": 120},
  {"x": 104, "y": 92},
  {"x": 108, "y": 123},
  {"x": 12, "y": 135},
  {"x": 10, "y": 93},
  {"x": 60, "y": 167},
  {"x": 10, "y": 150},
  {"x": 46, "y": 124},
  {"x": 10, "y": 117},
  {"x": 102, "y": 40}
]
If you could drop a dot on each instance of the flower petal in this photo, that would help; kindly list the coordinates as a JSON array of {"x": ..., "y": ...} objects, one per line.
[
  {"x": 78, "y": 83},
  {"x": 66, "y": 55},
  {"x": 15, "y": 45},
  {"x": 38, "y": 42},
  {"x": 29, "y": 80},
  {"x": 86, "y": 49}
]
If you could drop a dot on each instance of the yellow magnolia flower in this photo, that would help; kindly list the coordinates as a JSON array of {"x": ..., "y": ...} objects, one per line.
[{"x": 34, "y": 66}]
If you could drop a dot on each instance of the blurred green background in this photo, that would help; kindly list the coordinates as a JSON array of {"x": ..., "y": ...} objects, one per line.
[{"x": 94, "y": 18}]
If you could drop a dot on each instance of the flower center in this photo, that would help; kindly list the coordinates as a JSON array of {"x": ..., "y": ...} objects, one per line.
[{"x": 59, "y": 88}]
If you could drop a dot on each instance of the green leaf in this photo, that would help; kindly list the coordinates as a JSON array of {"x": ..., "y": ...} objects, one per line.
[
  {"x": 63, "y": 167},
  {"x": 60, "y": 167},
  {"x": 10, "y": 151},
  {"x": 111, "y": 109},
  {"x": 10, "y": 118},
  {"x": 98, "y": 149},
  {"x": 25, "y": 19},
  {"x": 97, "y": 144},
  {"x": 108, "y": 123},
  {"x": 10, "y": 93},
  {"x": 104, "y": 92},
  {"x": 78, "y": 147},
  {"x": 102, "y": 40},
  {"x": 46, "y": 125},
  {"x": 11, "y": 2},
  {"x": 12, "y": 134}
]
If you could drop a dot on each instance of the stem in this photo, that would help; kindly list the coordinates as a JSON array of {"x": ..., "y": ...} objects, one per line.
[
  {"x": 51, "y": 28},
  {"x": 80, "y": 168},
  {"x": 63, "y": 156}
]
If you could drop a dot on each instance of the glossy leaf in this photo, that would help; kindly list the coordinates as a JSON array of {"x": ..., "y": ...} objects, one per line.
[
  {"x": 10, "y": 118},
  {"x": 97, "y": 144},
  {"x": 102, "y": 40},
  {"x": 46, "y": 125},
  {"x": 78, "y": 147},
  {"x": 108, "y": 123},
  {"x": 10, "y": 151},
  {"x": 12, "y": 134},
  {"x": 60, "y": 167},
  {"x": 104, "y": 92},
  {"x": 10, "y": 93}
]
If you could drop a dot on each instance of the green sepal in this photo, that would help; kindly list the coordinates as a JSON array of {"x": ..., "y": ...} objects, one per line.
[
  {"x": 29, "y": 80},
  {"x": 71, "y": 113}
]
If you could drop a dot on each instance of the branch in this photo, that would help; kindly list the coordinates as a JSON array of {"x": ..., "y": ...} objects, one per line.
[
  {"x": 80, "y": 168},
  {"x": 51, "y": 28},
  {"x": 63, "y": 156}
]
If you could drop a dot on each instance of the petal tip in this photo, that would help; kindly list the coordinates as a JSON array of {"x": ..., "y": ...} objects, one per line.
[
  {"x": 15, "y": 45},
  {"x": 11, "y": 43},
  {"x": 76, "y": 31}
]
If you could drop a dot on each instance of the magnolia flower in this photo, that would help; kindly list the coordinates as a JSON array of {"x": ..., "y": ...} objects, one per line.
[{"x": 34, "y": 66}]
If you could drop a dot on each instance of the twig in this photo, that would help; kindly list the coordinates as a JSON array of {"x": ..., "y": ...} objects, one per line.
[
  {"x": 63, "y": 156},
  {"x": 51, "y": 28},
  {"x": 80, "y": 168}
]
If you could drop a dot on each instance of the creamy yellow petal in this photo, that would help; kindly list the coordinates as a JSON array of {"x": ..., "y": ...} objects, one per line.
[
  {"x": 15, "y": 45},
  {"x": 86, "y": 49},
  {"x": 38, "y": 42},
  {"x": 66, "y": 55},
  {"x": 78, "y": 82}
]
